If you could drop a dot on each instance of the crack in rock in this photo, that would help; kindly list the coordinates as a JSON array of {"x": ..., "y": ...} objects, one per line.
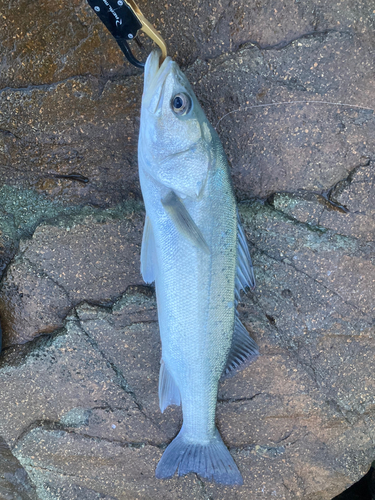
[
  {"x": 309, "y": 34},
  {"x": 238, "y": 400},
  {"x": 122, "y": 382}
]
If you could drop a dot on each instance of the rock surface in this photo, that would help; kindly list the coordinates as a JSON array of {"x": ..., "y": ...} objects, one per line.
[
  {"x": 65, "y": 264},
  {"x": 14, "y": 480},
  {"x": 290, "y": 90}
]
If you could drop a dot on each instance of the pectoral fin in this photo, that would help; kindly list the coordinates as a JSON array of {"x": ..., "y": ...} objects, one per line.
[
  {"x": 148, "y": 255},
  {"x": 183, "y": 221}
]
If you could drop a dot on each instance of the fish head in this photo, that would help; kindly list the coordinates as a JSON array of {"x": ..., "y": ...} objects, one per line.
[{"x": 176, "y": 140}]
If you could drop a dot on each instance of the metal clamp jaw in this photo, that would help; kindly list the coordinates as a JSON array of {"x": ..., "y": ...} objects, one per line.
[{"x": 123, "y": 18}]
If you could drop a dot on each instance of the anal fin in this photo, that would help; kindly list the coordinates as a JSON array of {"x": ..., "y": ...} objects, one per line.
[
  {"x": 169, "y": 393},
  {"x": 243, "y": 350}
]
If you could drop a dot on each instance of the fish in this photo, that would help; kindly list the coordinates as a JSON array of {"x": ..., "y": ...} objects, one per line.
[{"x": 195, "y": 250}]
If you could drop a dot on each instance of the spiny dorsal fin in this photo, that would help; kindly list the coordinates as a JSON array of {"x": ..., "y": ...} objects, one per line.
[
  {"x": 148, "y": 255},
  {"x": 245, "y": 273},
  {"x": 182, "y": 220},
  {"x": 169, "y": 393},
  {"x": 243, "y": 350}
]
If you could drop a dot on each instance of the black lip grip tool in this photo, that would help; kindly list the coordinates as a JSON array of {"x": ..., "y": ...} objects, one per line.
[{"x": 124, "y": 19}]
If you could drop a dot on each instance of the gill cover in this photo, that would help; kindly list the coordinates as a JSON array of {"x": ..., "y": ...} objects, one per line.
[{"x": 175, "y": 143}]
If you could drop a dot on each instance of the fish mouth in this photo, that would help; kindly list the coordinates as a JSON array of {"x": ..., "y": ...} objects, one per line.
[
  {"x": 153, "y": 71},
  {"x": 155, "y": 74}
]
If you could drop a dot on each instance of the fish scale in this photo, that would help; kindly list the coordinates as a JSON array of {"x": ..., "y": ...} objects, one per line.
[{"x": 194, "y": 249}]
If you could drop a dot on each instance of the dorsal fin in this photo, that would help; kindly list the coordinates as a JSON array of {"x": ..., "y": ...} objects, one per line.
[
  {"x": 245, "y": 273},
  {"x": 243, "y": 350}
]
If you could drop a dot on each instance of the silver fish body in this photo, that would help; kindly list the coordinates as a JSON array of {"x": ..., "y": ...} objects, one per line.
[{"x": 195, "y": 251}]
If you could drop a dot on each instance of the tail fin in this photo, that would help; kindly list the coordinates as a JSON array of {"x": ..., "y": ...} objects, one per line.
[{"x": 212, "y": 460}]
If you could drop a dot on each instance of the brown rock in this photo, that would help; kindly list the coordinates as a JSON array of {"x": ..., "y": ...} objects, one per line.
[
  {"x": 66, "y": 379},
  {"x": 79, "y": 125},
  {"x": 109, "y": 468},
  {"x": 14, "y": 481},
  {"x": 45, "y": 42},
  {"x": 129, "y": 335},
  {"x": 299, "y": 422},
  {"x": 89, "y": 125},
  {"x": 276, "y": 137},
  {"x": 63, "y": 265},
  {"x": 30, "y": 303},
  {"x": 66, "y": 398}
]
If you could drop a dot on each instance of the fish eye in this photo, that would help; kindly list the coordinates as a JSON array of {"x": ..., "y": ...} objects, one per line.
[{"x": 181, "y": 104}]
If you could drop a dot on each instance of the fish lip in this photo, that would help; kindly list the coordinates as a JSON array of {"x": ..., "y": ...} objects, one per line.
[
  {"x": 159, "y": 70},
  {"x": 156, "y": 75}
]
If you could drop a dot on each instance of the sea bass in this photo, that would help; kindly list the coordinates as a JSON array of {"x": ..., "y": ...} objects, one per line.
[{"x": 195, "y": 250}]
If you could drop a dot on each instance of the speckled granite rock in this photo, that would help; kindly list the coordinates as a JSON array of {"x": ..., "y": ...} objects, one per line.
[
  {"x": 292, "y": 422},
  {"x": 78, "y": 125},
  {"x": 86, "y": 125},
  {"x": 79, "y": 406},
  {"x": 14, "y": 480},
  {"x": 275, "y": 140},
  {"x": 64, "y": 264},
  {"x": 90, "y": 391}
]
